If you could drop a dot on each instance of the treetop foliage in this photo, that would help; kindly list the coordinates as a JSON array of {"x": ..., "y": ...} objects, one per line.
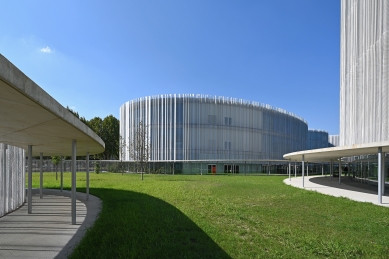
[{"x": 108, "y": 130}]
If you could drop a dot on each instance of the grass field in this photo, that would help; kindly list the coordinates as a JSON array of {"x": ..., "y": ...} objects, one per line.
[{"x": 180, "y": 216}]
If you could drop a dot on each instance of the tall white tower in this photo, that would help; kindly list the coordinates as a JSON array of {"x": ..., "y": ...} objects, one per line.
[{"x": 364, "y": 71}]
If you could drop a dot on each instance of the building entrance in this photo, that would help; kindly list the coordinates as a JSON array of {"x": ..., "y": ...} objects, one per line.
[{"x": 231, "y": 169}]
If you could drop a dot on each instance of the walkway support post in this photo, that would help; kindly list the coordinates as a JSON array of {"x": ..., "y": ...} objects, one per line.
[
  {"x": 331, "y": 169},
  {"x": 383, "y": 173},
  {"x": 295, "y": 169},
  {"x": 61, "y": 160},
  {"x": 29, "y": 190},
  {"x": 41, "y": 176},
  {"x": 268, "y": 167},
  {"x": 87, "y": 176},
  {"x": 289, "y": 171},
  {"x": 4, "y": 169},
  {"x": 322, "y": 169},
  {"x": 307, "y": 168},
  {"x": 302, "y": 168},
  {"x": 340, "y": 170},
  {"x": 379, "y": 174},
  {"x": 74, "y": 153}
]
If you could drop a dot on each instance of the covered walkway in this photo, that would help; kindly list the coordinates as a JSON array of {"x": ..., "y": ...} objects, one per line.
[
  {"x": 349, "y": 188},
  {"x": 46, "y": 233},
  {"x": 335, "y": 154},
  {"x": 33, "y": 120}
]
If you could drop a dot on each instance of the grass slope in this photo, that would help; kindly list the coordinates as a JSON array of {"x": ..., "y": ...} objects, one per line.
[{"x": 180, "y": 216}]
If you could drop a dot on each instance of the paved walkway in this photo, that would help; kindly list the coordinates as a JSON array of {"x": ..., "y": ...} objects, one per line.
[
  {"x": 350, "y": 188},
  {"x": 47, "y": 232}
]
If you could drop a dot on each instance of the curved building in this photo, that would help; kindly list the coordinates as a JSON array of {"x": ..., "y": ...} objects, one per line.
[
  {"x": 203, "y": 128},
  {"x": 364, "y": 81}
]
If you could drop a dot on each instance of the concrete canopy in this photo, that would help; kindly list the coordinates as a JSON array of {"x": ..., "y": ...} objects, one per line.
[
  {"x": 30, "y": 116},
  {"x": 326, "y": 154}
]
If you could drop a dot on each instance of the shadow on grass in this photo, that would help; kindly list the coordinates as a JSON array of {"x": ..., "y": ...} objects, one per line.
[{"x": 136, "y": 225}]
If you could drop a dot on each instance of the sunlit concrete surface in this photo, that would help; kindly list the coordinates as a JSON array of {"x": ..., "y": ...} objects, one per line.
[
  {"x": 350, "y": 188},
  {"x": 47, "y": 232},
  {"x": 30, "y": 116},
  {"x": 334, "y": 153}
]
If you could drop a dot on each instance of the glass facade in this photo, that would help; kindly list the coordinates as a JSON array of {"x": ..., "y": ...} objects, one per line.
[
  {"x": 202, "y": 127},
  {"x": 317, "y": 139}
]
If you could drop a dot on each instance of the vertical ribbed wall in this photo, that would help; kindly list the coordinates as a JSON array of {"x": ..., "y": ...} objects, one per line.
[
  {"x": 12, "y": 178},
  {"x": 364, "y": 100},
  {"x": 333, "y": 140},
  {"x": 201, "y": 127}
]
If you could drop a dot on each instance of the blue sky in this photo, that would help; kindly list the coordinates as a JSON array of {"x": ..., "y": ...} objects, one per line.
[{"x": 93, "y": 56}]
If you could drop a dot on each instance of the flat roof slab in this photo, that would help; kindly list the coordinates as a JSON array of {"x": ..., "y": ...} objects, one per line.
[
  {"x": 334, "y": 153},
  {"x": 30, "y": 116}
]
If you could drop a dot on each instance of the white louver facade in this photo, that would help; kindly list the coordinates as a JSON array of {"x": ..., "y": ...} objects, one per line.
[
  {"x": 12, "y": 178},
  {"x": 201, "y": 127},
  {"x": 364, "y": 77},
  {"x": 333, "y": 140}
]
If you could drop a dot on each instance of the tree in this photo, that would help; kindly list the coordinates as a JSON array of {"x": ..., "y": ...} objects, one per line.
[
  {"x": 55, "y": 160},
  {"x": 78, "y": 116},
  {"x": 139, "y": 147},
  {"x": 96, "y": 124},
  {"x": 108, "y": 130},
  {"x": 110, "y": 136}
]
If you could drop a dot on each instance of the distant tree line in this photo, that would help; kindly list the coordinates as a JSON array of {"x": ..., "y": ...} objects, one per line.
[{"x": 108, "y": 130}]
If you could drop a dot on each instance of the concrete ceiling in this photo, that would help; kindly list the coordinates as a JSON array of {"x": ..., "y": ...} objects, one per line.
[
  {"x": 334, "y": 153},
  {"x": 30, "y": 116}
]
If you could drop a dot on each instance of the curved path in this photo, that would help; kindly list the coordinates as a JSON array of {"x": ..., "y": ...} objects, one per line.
[
  {"x": 350, "y": 188},
  {"x": 47, "y": 232}
]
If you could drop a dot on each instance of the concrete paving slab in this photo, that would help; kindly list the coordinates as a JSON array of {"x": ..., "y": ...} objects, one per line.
[
  {"x": 47, "y": 232},
  {"x": 350, "y": 188}
]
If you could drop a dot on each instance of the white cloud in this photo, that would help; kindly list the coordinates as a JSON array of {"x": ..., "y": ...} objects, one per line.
[{"x": 46, "y": 50}]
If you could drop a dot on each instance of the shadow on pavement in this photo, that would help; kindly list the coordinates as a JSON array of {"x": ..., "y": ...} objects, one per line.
[{"x": 347, "y": 183}]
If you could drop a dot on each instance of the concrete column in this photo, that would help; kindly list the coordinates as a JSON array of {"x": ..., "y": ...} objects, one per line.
[
  {"x": 61, "y": 162},
  {"x": 383, "y": 173},
  {"x": 340, "y": 170},
  {"x": 29, "y": 190},
  {"x": 74, "y": 154},
  {"x": 295, "y": 169},
  {"x": 268, "y": 167},
  {"x": 379, "y": 175},
  {"x": 331, "y": 169},
  {"x": 41, "y": 176},
  {"x": 87, "y": 175},
  {"x": 302, "y": 168},
  {"x": 307, "y": 169},
  {"x": 4, "y": 169},
  {"x": 289, "y": 171},
  {"x": 368, "y": 170}
]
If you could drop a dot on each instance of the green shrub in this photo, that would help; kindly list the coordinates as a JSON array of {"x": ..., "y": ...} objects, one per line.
[{"x": 97, "y": 168}]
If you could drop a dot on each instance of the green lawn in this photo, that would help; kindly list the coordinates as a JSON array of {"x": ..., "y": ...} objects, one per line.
[{"x": 178, "y": 216}]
